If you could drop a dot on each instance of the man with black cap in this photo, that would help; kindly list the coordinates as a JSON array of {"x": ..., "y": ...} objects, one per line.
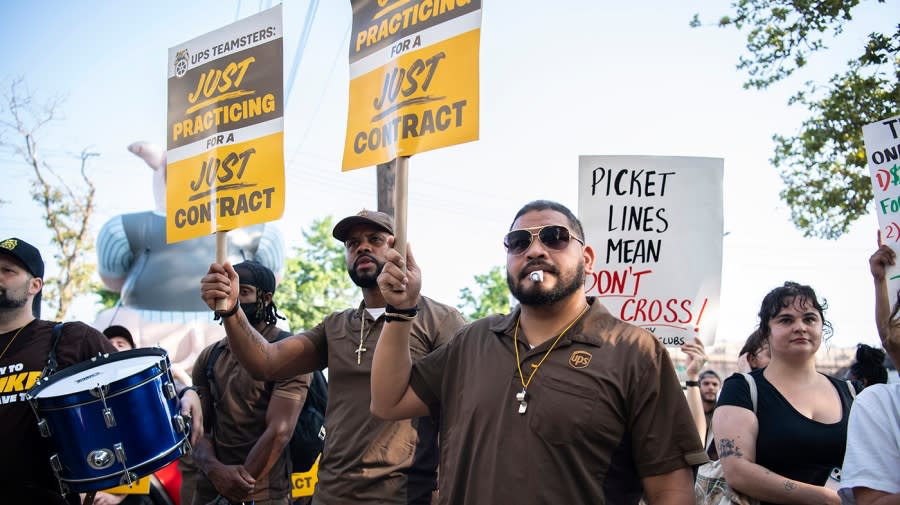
[
  {"x": 25, "y": 344},
  {"x": 119, "y": 337},
  {"x": 249, "y": 422},
  {"x": 366, "y": 460}
]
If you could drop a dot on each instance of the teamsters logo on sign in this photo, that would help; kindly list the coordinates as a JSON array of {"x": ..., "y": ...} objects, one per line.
[
  {"x": 413, "y": 78},
  {"x": 225, "y": 140}
]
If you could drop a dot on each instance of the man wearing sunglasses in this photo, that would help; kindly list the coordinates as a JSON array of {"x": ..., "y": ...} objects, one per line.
[
  {"x": 557, "y": 402},
  {"x": 366, "y": 459}
]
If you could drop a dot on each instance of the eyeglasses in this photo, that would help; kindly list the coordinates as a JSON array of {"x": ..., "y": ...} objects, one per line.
[{"x": 553, "y": 236}]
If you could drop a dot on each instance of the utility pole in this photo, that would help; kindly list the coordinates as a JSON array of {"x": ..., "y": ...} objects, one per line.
[{"x": 386, "y": 177}]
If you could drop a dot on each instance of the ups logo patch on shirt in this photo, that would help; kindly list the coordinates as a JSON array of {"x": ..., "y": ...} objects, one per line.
[{"x": 580, "y": 359}]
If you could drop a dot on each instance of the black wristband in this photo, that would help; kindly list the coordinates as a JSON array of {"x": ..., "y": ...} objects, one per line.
[
  {"x": 233, "y": 311},
  {"x": 185, "y": 390},
  {"x": 692, "y": 384},
  {"x": 406, "y": 312},
  {"x": 392, "y": 314}
]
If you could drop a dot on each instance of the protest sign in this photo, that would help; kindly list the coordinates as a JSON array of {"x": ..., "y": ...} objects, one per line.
[
  {"x": 655, "y": 224},
  {"x": 413, "y": 78},
  {"x": 225, "y": 140},
  {"x": 882, "y": 139}
]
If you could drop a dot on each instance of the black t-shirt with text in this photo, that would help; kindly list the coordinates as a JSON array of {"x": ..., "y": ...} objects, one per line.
[{"x": 25, "y": 468}]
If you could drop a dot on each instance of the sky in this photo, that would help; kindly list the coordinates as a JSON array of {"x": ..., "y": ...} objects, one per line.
[{"x": 593, "y": 77}]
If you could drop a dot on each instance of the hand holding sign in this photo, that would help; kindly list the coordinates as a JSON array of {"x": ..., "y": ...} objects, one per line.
[{"x": 882, "y": 139}]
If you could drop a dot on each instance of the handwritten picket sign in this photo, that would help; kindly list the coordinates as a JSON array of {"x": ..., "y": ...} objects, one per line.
[
  {"x": 655, "y": 224},
  {"x": 882, "y": 140}
]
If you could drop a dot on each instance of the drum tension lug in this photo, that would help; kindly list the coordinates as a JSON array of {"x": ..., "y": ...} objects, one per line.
[
  {"x": 180, "y": 425},
  {"x": 170, "y": 391},
  {"x": 55, "y": 463},
  {"x": 128, "y": 479},
  {"x": 120, "y": 453},
  {"x": 109, "y": 417},
  {"x": 44, "y": 428}
]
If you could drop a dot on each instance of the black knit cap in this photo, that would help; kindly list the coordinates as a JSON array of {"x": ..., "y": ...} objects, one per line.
[{"x": 256, "y": 274}]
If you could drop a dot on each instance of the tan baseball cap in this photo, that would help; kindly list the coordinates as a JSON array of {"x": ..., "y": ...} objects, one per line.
[{"x": 369, "y": 217}]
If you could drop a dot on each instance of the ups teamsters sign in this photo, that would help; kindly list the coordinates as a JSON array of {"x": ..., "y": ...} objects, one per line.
[
  {"x": 413, "y": 78},
  {"x": 225, "y": 133}
]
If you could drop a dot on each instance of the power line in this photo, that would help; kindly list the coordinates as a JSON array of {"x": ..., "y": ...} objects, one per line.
[{"x": 301, "y": 46}]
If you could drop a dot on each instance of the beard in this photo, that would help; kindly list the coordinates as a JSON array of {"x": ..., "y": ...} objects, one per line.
[
  {"x": 365, "y": 280},
  {"x": 9, "y": 301},
  {"x": 536, "y": 294}
]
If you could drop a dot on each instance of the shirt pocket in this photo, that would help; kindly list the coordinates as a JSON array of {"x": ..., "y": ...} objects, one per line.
[{"x": 563, "y": 412}]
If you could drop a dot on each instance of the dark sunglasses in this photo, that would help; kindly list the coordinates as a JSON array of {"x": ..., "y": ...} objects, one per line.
[{"x": 553, "y": 236}]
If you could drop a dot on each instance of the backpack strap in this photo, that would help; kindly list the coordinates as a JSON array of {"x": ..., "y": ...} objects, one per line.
[
  {"x": 753, "y": 393},
  {"x": 52, "y": 363},
  {"x": 211, "y": 363},
  {"x": 211, "y": 378},
  {"x": 852, "y": 389}
]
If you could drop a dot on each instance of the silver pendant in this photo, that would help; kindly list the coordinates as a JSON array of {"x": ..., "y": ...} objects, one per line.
[{"x": 521, "y": 397}]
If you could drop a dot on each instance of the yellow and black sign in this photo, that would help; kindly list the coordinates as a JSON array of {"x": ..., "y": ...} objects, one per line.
[
  {"x": 225, "y": 159},
  {"x": 142, "y": 486},
  {"x": 413, "y": 78},
  {"x": 304, "y": 483},
  {"x": 226, "y": 188}
]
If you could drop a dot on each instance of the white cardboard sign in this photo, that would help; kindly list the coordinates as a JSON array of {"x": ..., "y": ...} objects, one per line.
[
  {"x": 882, "y": 139},
  {"x": 655, "y": 224}
]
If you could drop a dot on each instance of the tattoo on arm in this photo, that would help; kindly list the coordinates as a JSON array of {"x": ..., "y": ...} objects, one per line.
[
  {"x": 727, "y": 447},
  {"x": 789, "y": 486},
  {"x": 252, "y": 334}
]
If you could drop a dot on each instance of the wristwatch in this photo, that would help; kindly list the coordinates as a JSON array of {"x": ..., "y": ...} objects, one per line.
[{"x": 691, "y": 384}]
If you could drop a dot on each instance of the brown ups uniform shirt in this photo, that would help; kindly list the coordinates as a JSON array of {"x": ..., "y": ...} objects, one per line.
[
  {"x": 240, "y": 404},
  {"x": 604, "y": 409},
  {"x": 366, "y": 459}
]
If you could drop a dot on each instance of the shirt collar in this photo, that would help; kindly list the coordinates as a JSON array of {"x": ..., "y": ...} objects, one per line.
[{"x": 596, "y": 318}]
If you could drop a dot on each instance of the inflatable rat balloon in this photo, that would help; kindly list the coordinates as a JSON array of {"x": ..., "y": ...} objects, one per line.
[{"x": 159, "y": 283}]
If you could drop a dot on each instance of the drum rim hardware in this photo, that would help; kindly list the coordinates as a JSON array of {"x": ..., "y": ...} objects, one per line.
[
  {"x": 131, "y": 470},
  {"x": 97, "y": 394}
]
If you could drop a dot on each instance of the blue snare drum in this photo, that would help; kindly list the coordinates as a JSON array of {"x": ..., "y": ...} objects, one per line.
[{"x": 110, "y": 420}]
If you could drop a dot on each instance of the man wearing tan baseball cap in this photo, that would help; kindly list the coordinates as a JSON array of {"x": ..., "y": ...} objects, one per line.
[{"x": 366, "y": 459}]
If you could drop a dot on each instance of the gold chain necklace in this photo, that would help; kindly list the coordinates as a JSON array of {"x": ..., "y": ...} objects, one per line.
[
  {"x": 13, "y": 339},
  {"x": 522, "y": 396}
]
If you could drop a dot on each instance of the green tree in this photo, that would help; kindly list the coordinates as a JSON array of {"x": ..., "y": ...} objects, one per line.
[
  {"x": 107, "y": 299},
  {"x": 315, "y": 281},
  {"x": 823, "y": 166},
  {"x": 492, "y": 295},
  {"x": 67, "y": 202}
]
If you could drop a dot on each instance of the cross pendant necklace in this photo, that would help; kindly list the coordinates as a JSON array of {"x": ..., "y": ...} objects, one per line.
[
  {"x": 359, "y": 350},
  {"x": 362, "y": 336}
]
